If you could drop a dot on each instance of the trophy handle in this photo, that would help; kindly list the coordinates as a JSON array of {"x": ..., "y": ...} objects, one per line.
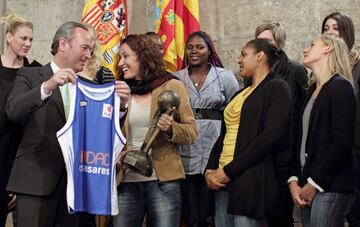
[
  {"x": 147, "y": 145},
  {"x": 139, "y": 160},
  {"x": 153, "y": 133}
]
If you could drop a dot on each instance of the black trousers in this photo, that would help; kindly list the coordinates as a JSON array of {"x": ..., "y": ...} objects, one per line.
[
  {"x": 3, "y": 207},
  {"x": 4, "y": 199},
  {"x": 197, "y": 202},
  {"x": 285, "y": 208},
  {"x": 353, "y": 217},
  {"x": 46, "y": 211}
]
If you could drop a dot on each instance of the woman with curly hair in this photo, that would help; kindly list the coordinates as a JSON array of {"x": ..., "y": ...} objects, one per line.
[{"x": 159, "y": 194}]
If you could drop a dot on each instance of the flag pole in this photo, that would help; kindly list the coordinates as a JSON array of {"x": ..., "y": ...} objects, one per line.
[{"x": 2, "y": 13}]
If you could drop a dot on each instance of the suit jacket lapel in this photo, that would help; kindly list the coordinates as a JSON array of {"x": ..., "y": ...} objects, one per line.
[{"x": 47, "y": 72}]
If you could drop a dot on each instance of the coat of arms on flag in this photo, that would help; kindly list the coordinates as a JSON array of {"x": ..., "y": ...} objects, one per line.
[{"x": 109, "y": 19}]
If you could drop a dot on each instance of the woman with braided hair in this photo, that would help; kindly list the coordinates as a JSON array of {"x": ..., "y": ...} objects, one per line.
[{"x": 210, "y": 88}]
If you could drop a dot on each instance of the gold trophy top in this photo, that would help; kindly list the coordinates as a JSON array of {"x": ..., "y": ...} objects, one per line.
[{"x": 167, "y": 100}]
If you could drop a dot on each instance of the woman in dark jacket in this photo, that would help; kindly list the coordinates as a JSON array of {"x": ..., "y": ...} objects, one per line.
[
  {"x": 324, "y": 179},
  {"x": 296, "y": 76},
  {"x": 341, "y": 25},
  {"x": 241, "y": 166},
  {"x": 19, "y": 37}
]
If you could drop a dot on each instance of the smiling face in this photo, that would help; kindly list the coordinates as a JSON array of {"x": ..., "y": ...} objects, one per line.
[
  {"x": 197, "y": 51},
  {"x": 247, "y": 61},
  {"x": 129, "y": 63},
  {"x": 21, "y": 41},
  {"x": 331, "y": 27},
  {"x": 77, "y": 50}
]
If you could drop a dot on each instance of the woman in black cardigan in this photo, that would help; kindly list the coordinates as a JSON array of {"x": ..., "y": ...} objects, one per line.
[
  {"x": 324, "y": 178},
  {"x": 241, "y": 164},
  {"x": 341, "y": 25},
  {"x": 296, "y": 76}
]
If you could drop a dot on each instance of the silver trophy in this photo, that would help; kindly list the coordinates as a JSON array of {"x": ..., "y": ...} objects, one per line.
[{"x": 139, "y": 160}]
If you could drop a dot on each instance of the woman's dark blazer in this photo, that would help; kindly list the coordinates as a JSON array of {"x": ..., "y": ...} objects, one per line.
[
  {"x": 328, "y": 149},
  {"x": 262, "y": 132},
  {"x": 356, "y": 71}
]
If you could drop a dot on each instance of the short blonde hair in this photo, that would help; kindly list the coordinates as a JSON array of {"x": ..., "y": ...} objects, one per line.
[
  {"x": 276, "y": 29},
  {"x": 12, "y": 22},
  {"x": 339, "y": 61},
  {"x": 95, "y": 62}
]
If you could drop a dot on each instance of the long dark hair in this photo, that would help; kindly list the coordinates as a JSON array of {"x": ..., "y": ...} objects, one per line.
[
  {"x": 282, "y": 65},
  {"x": 152, "y": 71},
  {"x": 213, "y": 57},
  {"x": 148, "y": 55},
  {"x": 345, "y": 25}
]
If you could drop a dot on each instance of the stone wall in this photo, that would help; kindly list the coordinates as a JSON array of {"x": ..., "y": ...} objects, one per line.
[{"x": 230, "y": 22}]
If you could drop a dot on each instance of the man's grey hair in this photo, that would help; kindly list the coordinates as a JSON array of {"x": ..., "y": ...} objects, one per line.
[{"x": 65, "y": 31}]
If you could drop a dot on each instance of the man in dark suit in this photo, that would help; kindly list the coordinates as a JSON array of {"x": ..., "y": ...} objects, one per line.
[{"x": 38, "y": 176}]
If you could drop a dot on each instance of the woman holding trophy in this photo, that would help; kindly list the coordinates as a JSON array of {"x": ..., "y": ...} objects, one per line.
[{"x": 155, "y": 192}]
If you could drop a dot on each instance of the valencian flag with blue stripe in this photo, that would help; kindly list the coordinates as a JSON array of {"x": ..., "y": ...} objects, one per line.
[
  {"x": 109, "y": 19},
  {"x": 175, "y": 20}
]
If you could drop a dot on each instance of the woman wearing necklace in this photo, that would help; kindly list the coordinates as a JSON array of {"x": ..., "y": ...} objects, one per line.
[
  {"x": 241, "y": 167},
  {"x": 324, "y": 178},
  {"x": 210, "y": 88},
  {"x": 19, "y": 37}
]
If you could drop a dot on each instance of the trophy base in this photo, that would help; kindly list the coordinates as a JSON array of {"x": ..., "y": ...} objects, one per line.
[{"x": 139, "y": 162}]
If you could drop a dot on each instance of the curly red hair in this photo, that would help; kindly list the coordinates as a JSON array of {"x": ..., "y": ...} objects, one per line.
[{"x": 148, "y": 55}]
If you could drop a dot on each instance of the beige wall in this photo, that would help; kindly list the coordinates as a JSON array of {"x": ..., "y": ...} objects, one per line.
[{"x": 230, "y": 22}]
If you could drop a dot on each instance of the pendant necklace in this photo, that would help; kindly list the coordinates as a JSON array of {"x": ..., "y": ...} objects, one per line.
[{"x": 198, "y": 84}]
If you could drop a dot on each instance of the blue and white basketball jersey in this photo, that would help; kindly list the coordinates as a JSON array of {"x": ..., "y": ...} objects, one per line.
[{"x": 91, "y": 142}]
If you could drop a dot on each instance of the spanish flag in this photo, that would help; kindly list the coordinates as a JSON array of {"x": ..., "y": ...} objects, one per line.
[
  {"x": 175, "y": 20},
  {"x": 109, "y": 19}
]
